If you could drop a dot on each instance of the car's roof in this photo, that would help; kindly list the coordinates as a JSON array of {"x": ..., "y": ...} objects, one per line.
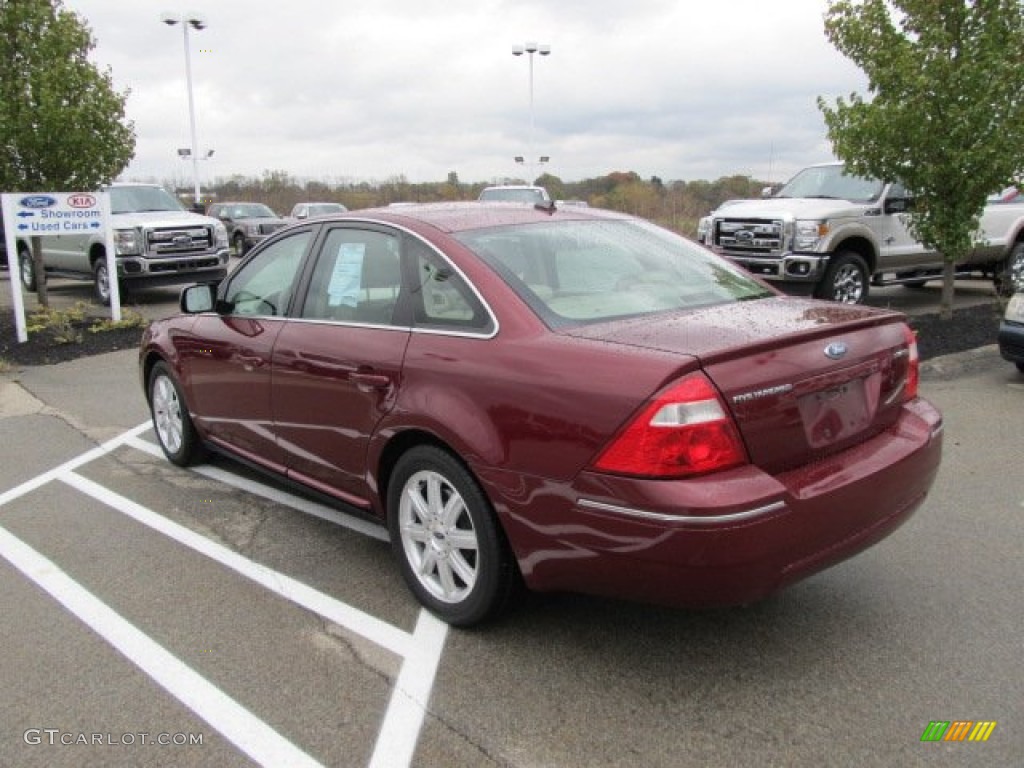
[{"x": 459, "y": 217}]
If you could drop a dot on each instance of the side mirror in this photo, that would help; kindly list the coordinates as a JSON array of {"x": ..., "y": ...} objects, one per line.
[
  {"x": 198, "y": 298},
  {"x": 898, "y": 204},
  {"x": 767, "y": 191}
]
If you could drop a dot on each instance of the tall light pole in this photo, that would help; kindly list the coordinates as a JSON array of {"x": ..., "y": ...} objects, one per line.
[
  {"x": 197, "y": 23},
  {"x": 531, "y": 48}
]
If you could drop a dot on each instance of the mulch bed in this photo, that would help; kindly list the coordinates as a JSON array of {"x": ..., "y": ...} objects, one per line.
[
  {"x": 970, "y": 327},
  {"x": 42, "y": 349}
]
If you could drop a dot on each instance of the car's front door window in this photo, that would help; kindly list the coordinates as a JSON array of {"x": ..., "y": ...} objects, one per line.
[
  {"x": 262, "y": 287},
  {"x": 357, "y": 278}
]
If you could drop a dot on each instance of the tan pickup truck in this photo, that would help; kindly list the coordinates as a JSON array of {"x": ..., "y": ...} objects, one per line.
[
  {"x": 158, "y": 242},
  {"x": 833, "y": 235}
]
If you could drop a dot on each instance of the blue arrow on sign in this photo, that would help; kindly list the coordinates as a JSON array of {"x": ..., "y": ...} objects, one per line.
[
  {"x": 23, "y": 227},
  {"x": 24, "y": 214},
  {"x": 95, "y": 225}
]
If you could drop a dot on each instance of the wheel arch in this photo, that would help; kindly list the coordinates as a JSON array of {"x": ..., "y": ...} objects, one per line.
[
  {"x": 97, "y": 251},
  {"x": 398, "y": 445},
  {"x": 860, "y": 246}
]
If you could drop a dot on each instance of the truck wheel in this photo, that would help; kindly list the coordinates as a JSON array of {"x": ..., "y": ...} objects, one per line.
[
  {"x": 846, "y": 279},
  {"x": 239, "y": 244},
  {"x": 101, "y": 281},
  {"x": 1010, "y": 276},
  {"x": 26, "y": 270}
]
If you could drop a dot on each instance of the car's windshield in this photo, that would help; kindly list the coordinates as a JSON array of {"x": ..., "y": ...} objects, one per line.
[
  {"x": 141, "y": 199},
  {"x": 573, "y": 272},
  {"x": 524, "y": 195},
  {"x": 829, "y": 181},
  {"x": 326, "y": 209},
  {"x": 251, "y": 211}
]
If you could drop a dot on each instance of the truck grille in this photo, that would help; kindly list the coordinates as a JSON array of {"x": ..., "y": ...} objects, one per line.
[
  {"x": 178, "y": 240},
  {"x": 756, "y": 237}
]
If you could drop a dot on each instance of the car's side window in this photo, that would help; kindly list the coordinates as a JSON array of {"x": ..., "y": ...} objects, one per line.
[
  {"x": 357, "y": 278},
  {"x": 263, "y": 286},
  {"x": 441, "y": 298}
]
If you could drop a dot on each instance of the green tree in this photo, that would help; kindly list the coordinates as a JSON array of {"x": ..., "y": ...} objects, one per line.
[
  {"x": 62, "y": 123},
  {"x": 946, "y": 113}
]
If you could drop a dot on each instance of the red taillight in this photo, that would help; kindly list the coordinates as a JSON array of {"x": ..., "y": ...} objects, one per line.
[
  {"x": 913, "y": 364},
  {"x": 685, "y": 430}
]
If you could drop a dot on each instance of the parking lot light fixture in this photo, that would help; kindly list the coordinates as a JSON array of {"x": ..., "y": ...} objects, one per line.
[
  {"x": 196, "y": 22},
  {"x": 531, "y": 48}
]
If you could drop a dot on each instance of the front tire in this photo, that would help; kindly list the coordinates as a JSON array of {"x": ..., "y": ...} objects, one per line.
[
  {"x": 846, "y": 279},
  {"x": 101, "y": 281},
  {"x": 446, "y": 538},
  {"x": 239, "y": 242},
  {"x": 171, "y": 421}
]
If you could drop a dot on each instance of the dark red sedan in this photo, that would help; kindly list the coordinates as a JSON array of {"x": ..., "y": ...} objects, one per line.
[{"x": 572, "y": 398}]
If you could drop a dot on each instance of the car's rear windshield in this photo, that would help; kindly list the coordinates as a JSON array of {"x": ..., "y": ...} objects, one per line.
[{"x": 573, "y": 272}]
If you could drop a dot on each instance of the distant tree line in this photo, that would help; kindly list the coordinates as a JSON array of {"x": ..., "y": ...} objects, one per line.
[{"x": 675, "y": 204}]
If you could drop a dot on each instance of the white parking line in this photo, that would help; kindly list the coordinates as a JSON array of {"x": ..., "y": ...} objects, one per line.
[
  {"x": 421, "y": 651},
  {"x": 237, "y": 724}
]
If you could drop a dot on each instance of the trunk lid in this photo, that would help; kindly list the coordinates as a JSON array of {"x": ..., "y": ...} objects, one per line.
[{"x": 803, "y": 379}]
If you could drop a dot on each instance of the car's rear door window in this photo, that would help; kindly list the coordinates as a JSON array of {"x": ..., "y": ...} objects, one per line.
[{"x": 441, "y": 298}]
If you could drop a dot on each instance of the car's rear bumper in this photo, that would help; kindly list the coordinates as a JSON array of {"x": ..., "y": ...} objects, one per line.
[{"x": 727, "y": 538}]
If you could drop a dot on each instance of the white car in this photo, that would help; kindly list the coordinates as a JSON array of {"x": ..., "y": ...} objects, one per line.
[{"x": 516, "y": 193}]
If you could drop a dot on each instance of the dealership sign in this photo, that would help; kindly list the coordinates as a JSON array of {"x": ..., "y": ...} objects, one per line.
[
  {"x": 59, "y": 213},
  {"x": 45, "y": 214}
]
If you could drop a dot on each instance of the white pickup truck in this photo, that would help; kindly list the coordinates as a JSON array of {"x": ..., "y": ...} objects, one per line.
[
  {"x": 834, "y": 235},
  {"x": 158, "y": 242}
]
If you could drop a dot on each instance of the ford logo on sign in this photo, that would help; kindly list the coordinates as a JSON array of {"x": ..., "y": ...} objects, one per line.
[
  {"x": 37, "y": 201},
  {"x": 836, "y": 350}
]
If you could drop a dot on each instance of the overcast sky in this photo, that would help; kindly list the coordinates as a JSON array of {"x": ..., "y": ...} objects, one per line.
[{"x": 338, "y": 91}]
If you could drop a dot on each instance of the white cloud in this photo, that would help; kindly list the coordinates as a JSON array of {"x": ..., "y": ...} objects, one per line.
[{"x": 681, "y": 90}]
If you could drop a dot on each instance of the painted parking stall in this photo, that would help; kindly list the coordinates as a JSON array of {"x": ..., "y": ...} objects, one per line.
[{"x": 418, "y": 651}]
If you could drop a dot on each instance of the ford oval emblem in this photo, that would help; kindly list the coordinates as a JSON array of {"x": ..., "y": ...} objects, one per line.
[
  {"x": 37, "y": 201},
  {"x": 836, "y": 350},
  {"x": 744, "y": 234}
]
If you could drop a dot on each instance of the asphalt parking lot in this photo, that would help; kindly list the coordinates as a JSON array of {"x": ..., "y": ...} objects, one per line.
[{"x": 159, "y": 616}]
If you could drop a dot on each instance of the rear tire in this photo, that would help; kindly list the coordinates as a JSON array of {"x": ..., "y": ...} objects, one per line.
[
  {"x": 846, "y": 279},
  {"x": 446, "y": 538},
  {"x": 26, "y": 270}
]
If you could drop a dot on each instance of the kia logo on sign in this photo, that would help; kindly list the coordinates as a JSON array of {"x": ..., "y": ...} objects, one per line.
[
  {"x": 37, "y": 201},
  {"x": 81, "y": 201}
]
